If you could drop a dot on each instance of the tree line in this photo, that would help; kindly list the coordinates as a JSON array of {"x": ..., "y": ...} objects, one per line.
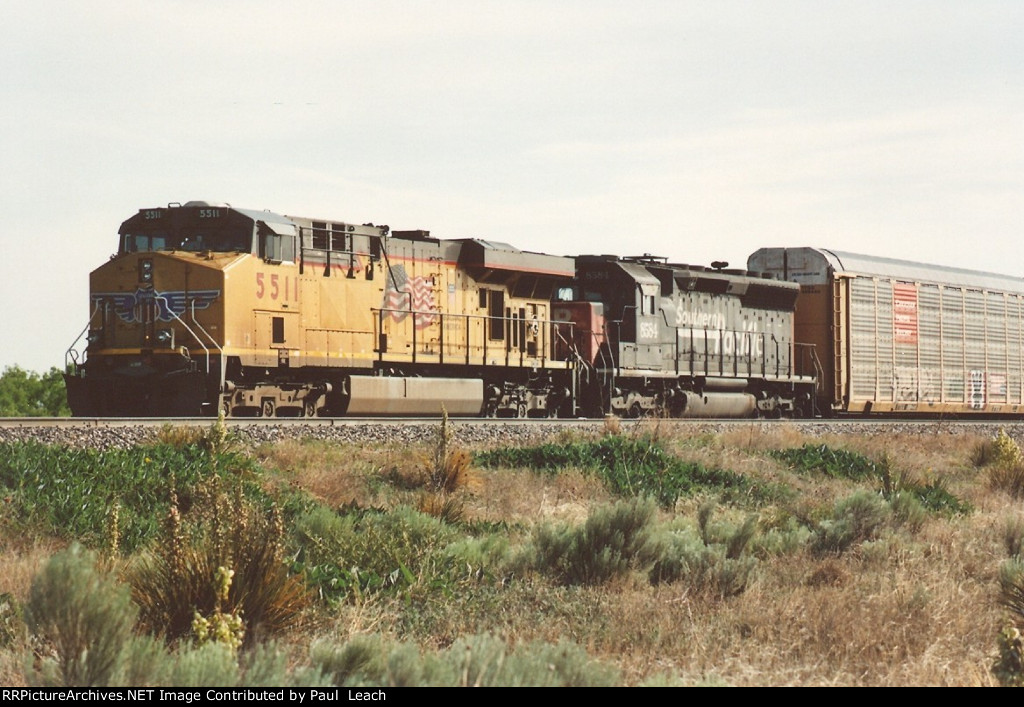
[{"x": 30, "y": 394}]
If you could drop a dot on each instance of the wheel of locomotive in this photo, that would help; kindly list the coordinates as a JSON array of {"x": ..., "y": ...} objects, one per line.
[
  {"x": 521, "y": 410},
  {"x": 635, "y": 411},
  {"x": 309, "y": 408},
  {"x": 225, "y": 408},
  {"x": 267, "y": 408}
]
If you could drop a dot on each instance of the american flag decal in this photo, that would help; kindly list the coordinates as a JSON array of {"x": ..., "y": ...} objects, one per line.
[{"x": 404, "y": 295}]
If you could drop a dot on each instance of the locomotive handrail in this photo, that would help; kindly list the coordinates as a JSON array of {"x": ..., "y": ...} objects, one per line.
[
  {"x": 223, "y": 359},
  {"x": 543, "y": 353},
  {"x": 777, "y": 360},
  {"x": 71, "y": 355},
  {"x": 188, "y": 328}
]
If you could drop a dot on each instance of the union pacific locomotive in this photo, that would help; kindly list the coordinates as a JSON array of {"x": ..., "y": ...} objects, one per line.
[{"x": 208, "y": 309}]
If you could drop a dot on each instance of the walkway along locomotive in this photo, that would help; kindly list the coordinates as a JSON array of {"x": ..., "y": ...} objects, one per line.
[{"x": 207, "y": 308}]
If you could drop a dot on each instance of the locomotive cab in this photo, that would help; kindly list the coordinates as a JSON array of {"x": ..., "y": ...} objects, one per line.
[{"x": 156, "y": 338}]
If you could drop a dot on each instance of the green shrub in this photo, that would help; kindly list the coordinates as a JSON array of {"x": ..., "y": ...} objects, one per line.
[
  {"x": 360, "y": 656},
  {"x": 713, "y": 559},
  {"x": 783, "y": 535},
  {"x": 69, "y": 492},
  {"x": 908, "y": 511},
  {"x": 836, "y": 463},
  {"x": 344, "y": 556},
  {"x": 635, "y": 467},
  {"x": 83, "y": 615},
  {"x": 613, "y": 540},
  {"x": 486, "y": 556},
  {"x": 858, "y": 517}
]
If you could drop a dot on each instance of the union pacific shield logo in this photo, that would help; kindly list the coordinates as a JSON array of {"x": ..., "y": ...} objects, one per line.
[{"x": 167, "y": 306}]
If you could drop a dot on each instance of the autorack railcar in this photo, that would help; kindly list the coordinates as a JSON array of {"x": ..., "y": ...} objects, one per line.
[{"x": 898, "y": 337}]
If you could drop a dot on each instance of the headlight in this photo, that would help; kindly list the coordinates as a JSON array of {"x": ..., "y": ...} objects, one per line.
[
  {"x": 95, "y": 336},
  {"x": 146, "y": 270},
  {"x": 165, "y": 336}
]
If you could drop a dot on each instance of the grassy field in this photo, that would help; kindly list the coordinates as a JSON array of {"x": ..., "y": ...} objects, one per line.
[{"x": 635, "y": 556}]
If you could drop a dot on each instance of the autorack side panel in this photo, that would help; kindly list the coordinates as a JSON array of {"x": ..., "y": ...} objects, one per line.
[{"x": 908, "y": 337}]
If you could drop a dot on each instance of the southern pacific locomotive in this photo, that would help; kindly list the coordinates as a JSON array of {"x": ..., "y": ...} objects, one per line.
[{"x": 209, "y": 309}]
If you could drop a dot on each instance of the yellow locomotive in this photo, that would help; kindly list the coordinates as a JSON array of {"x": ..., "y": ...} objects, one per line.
[{"x": 207, "y": 308}]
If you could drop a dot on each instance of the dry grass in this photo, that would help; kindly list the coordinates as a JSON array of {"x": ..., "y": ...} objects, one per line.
[
  {"x": 338, "y": 474},
  {"x": 907, "y": 609},
  {"x": 522, "y": 497},
  {"x": 904, "y": 610},
  {"x": 20, "y": 560}
]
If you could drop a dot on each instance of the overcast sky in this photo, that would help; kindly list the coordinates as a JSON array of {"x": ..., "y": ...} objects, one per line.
[{"x": 694, "y": 130}]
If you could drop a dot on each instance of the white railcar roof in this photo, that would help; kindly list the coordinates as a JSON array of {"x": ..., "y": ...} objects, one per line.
[{"x": 843, "y": 262}]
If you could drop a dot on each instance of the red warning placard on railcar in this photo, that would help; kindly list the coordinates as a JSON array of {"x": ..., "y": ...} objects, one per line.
[{"x": 904, "y": 313}]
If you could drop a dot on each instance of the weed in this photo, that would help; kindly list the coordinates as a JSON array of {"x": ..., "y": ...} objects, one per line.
[
  {"x": 12, "y": 624},
  {"x": 345, "y": 556},
  {"x": 1009, "y": 665},
  {"x": 936, "y": 497},
  {"x": 1009, "y": 479},
  {"x": 70, "y": 492},
  {"x": 180, "y": 578}
]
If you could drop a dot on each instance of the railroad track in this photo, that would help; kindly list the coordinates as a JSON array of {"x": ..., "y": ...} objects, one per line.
[
  {"x": 119, "y": 431},
  {"x": 851, "y": 423}
]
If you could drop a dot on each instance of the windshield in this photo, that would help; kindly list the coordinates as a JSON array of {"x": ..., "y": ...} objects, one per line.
[{"x": 219, "y": 241}]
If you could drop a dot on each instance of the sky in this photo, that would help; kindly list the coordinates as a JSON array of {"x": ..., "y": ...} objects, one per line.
[{"x": 693, "y": 130}]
